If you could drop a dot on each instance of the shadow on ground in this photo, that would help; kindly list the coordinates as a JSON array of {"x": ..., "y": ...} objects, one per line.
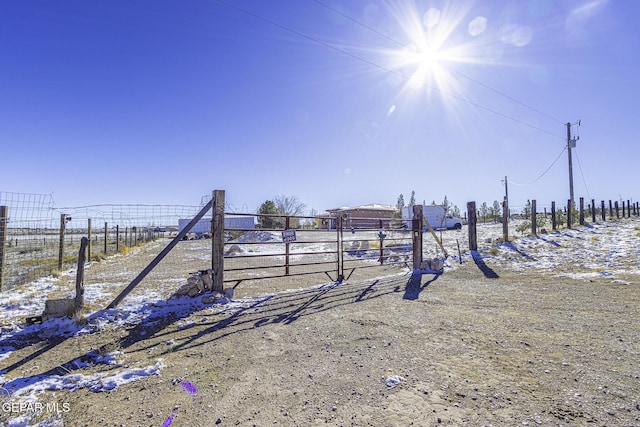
[
  {"x": 284, "y": 308},
  {"x": 486, "y": 270},
  {"x": 414, "y": 286}
]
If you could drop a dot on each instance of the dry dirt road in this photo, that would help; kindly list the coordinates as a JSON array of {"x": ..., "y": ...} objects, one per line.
[{"x": 479, "y": 345}]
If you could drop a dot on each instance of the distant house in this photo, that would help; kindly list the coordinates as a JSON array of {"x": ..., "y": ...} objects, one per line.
[{"x": 367, "y": 216}]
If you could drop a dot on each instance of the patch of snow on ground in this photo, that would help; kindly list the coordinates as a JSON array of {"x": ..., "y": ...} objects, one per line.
[{"x": 603, "y": 249}]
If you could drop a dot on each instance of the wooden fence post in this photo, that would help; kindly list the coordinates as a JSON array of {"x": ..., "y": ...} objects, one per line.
[
  {"x": 89, "y": 239},
  {"x": 593, "y": 210},
  {"x": 581, "y": 210},
  {"x": 617, "y": 209},
  {"x": 628, "y": 209},
  {"x": 287, "y": 249},
  {"x": 117, "y": 238},
  {"x": 217, "y": 240},
  {"x": 505, "y": 220},
  {"x": 603, "y": 211},
  {"x": 416, "y": 227},
  {"x": 339, "y": 248},
  {"x": 569, "y": 213},
  {"x": 610, "y": 210},
  {"x": 473, "y": 219},
  {"x": 4, "y": 215},
  {"x": 106, "y": 231},
  {"x": 534, "y": 218},
  {"x": 553, "y": 216},
  {"x": 80, "y": 274},
  {"x": 63, "y": 223}
]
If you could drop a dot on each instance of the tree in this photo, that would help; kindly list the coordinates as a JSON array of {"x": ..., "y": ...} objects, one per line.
[
  {"x": 289, "y": 205},
  {"x": 526, "y": 211},
  {"x": 497, "y": 210},
  {"x": 267, "y": 208},
  {"x": 399, "y": 206},
  {"x": 446, "y": 205},
  {"x": 412, "y": 200},
  {"x": 484, "y": 210},
  {"x": 455, "y": 212}
]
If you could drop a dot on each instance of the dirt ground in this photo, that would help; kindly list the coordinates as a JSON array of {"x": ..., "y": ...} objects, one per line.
[{"x": 479, "y": 345}]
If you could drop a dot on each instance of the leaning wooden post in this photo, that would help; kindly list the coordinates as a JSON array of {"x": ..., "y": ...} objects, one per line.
[
  {"x": 416, "y": 228},
  {"x": 581, "y": 210},
  {"x": 505, "y": 220},
  {"x": 160, "y": 256},
  {"x": 534, "y": 218},
  {"x": 217, "y": 240},
  {"x": 84, "y": 242},
  {"x": 473, "y": 237},
  {"x": 4, "y": 214},
  {"x": 63, "y": 223},
  {"x": 554, "y": 224}
]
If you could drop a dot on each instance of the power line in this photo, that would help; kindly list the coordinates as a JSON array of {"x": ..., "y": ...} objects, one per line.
[
  {"x": 399, "y": 43},
  {"x": 582, "y": 174},
  {"x": 543, "y": 173},
  {"x": 381, "y": 67}
]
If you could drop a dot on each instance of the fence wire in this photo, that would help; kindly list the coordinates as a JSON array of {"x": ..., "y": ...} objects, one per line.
[
  {"x": 42, "y": 240},
  {"x": 29, "y": 238}
]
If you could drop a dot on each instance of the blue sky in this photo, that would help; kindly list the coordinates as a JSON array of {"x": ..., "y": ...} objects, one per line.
[{"x": 335, "y": 102}]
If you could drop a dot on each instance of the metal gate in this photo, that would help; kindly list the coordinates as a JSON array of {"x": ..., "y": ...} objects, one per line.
[{"x": 274, "y": 246}]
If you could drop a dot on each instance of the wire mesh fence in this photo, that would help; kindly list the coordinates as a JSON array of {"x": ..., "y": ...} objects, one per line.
[
  {"x": 28, "y": 237},
  {"x": 40, "y": 240}
]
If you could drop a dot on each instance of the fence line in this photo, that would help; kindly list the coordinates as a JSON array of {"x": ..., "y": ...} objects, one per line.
[{"x": 38, "y": 240}]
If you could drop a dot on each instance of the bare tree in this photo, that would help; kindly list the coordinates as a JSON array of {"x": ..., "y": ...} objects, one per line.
[{"x": 289, "y": 205}]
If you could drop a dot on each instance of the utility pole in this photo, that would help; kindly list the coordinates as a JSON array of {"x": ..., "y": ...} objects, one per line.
[
  {"x": 506, "y": 192},
  {"x": 571, "y": 143},
  {"x": 506, "y": 189}
]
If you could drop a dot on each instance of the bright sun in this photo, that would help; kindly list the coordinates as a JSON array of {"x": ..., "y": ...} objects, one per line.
[{"x": 431, "y": 47}]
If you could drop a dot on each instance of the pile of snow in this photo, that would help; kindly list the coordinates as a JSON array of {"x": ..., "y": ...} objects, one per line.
[
  {"x": 257, "y": 236},
  {"x": 393, "y": 381}
]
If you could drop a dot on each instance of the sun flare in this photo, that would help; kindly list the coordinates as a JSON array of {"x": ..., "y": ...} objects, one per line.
[{"x": 433, "y": 45}]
